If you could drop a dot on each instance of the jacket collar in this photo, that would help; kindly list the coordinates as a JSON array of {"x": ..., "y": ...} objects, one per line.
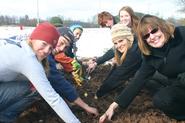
[{"x": 163, "y": 51}]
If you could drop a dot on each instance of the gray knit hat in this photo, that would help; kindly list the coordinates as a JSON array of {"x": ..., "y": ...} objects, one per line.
[
  {"x": 120, "y": 31},
  {"x": 66, "y": 33}
]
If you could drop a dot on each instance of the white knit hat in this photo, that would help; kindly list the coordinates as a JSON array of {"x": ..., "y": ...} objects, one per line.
[{"x": 120, "y": 31}]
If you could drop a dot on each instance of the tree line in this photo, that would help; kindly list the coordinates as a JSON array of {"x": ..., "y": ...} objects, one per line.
[
  {"x": 26, "y": 21},
  {"x": 14, "y": 20}
]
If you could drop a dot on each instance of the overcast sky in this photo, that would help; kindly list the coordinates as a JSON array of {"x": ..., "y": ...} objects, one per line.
[{"x": 85, "y": 9}]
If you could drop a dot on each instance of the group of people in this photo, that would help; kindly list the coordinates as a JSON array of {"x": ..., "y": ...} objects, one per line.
[
  {"x": 32, "y": 73},
  {"x": 149, "y": 50},
  {"x": 145, "y": 53}
]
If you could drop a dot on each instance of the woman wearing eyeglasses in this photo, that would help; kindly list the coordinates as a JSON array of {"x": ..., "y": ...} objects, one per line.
[{"x": 162, "y": 46}]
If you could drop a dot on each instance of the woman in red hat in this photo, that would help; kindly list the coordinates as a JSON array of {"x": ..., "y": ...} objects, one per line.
[{"x": 27, "y": 58}]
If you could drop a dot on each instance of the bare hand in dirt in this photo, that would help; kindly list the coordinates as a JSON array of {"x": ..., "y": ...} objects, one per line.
[
  {"x": 92, "y": 111},
  {"x": 103, "y": 118},
  {"x": 91, "y": 66},
  {"x": 106, "y": 117}
]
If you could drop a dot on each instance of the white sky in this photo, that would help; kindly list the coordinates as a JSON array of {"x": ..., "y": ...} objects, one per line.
[{"x": 85, "y": 9}]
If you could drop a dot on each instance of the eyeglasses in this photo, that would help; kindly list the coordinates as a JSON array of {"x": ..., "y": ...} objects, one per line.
[{"x": 145, "y": 37}]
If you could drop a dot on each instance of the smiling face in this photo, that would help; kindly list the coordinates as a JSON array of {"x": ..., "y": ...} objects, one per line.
[
  {"x": 121, "y": 45},
  {"x": 109, "y": 23},
  {"x": 77, "y": 33},
  {"x": 41, "y": 48},
  {"x": 125, "y": 18},
  {"x": 61, "y": 45},
  {"x": 155, "y": 38}
]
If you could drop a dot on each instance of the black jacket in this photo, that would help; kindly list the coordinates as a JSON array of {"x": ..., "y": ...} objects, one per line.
[
  {"x": 122, "y": 72},
  {"x": 107, "y": 56},
  {"x": 168, "y": 60}
]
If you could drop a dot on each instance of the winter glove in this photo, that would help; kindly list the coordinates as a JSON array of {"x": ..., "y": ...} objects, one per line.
[{"x": 77, "y": 72}]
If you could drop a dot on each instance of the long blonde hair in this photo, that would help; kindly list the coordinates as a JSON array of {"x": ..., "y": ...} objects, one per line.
[
  {"x": 120, "y": 57},
  {"x": 121, "y": 32}
]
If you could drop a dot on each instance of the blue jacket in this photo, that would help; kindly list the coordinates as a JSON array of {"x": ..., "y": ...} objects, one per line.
[{"x": 59, "y": 83}]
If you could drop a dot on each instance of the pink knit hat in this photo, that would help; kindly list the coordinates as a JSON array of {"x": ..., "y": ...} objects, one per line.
[{"x": 46, "y": 32}]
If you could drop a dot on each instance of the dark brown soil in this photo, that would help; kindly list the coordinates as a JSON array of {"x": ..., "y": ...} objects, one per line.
[{"x": 140, "y": 111}]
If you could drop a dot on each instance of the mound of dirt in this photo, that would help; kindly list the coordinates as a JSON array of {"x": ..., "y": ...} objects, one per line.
[{"x": 141, "y": 109}]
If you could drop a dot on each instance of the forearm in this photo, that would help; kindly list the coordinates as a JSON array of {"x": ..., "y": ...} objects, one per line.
[
  {"x": 114, "y": 105},
  {"x": 60, "y": 84},
  {"x": 43, "y": 86},
  {"x": 107, "y": 56},
  {"x": 56, "y": 102},
  {"x": 109, "y": 113},
  {"x": 81, "y": 103}
]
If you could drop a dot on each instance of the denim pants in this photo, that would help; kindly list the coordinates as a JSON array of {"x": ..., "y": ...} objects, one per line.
[{"x": 15, "y": 97}]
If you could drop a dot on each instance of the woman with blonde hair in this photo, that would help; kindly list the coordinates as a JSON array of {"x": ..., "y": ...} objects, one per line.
[
  {"x": 128, "y": 18},
  {"x": 162, "y": 46},
  {"x": 121, "y": 72},
  {"x": 126, "y": 56},
  {"x": 24, "y": 58}
]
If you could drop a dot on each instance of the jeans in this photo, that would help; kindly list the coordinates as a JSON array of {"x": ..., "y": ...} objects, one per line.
[{"x": 15, "y": 97}]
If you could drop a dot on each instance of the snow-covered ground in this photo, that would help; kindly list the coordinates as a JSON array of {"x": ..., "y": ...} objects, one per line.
[
  {"x": 9, "y": 31},
  {"x": 93, "y": 42}
]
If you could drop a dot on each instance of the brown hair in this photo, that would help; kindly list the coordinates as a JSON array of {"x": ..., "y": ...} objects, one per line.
[
  {"x": 45, "y": 64},
  {"x": 152, "y": 22},
  {"x": 103, "y": 17},
  {"x": 134, "y": 18}
]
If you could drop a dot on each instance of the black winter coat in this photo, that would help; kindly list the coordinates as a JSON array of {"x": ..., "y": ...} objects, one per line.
[
  {"x": 168, "y": 60},
  {"x": 122, "y": 72}
]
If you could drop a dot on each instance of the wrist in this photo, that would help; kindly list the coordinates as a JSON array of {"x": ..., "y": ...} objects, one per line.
[
  {"x": 114, "y": 105},
  {"x": 94, "y": 59},
  {"x": 95, "y": 64},
  {"x": 86, "y": 107}
]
